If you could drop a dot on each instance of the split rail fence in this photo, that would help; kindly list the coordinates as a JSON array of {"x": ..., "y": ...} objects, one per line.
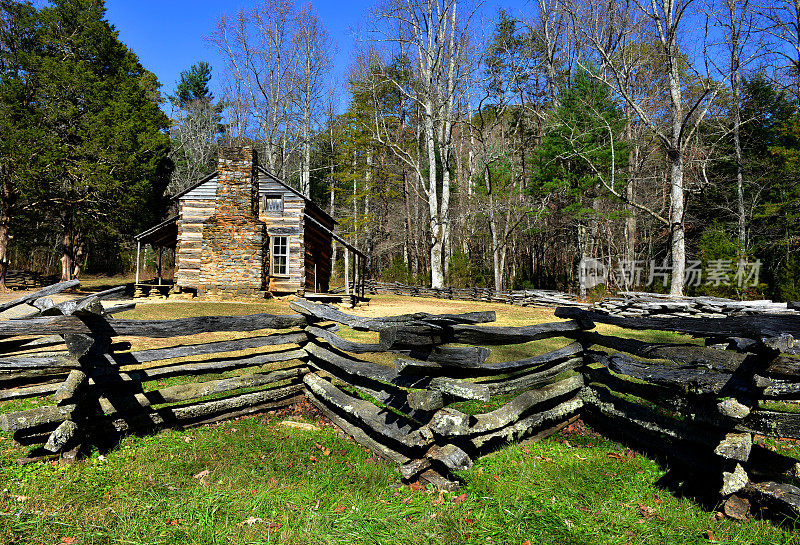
[
  {"x": 524, "y": 298},
  {"x": 416, "y": 391}
]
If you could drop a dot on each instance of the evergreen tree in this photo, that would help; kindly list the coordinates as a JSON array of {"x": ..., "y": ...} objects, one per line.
[
  {"x": 105, "y": 146},
  {"x": 196, "y": 127},
  {"x": 579, "y": 155}
]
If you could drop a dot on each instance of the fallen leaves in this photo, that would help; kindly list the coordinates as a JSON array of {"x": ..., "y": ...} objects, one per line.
[
  {"x": 202, "y": 477},
  {"x": 648, "y": 512},
  {"x": 325, "y": 451},
  {"x": 339, "y": 509},
  {"x": 299, "y": 425},
  {"x": 711, "y": 536},
  {"x": 737, "y": 508},
  {"x": 256, "y": 520},
  {"x": 460, "y": 498}
]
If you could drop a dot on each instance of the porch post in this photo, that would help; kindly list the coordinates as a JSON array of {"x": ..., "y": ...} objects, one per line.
[
  {"x": 346, "y": 271},
  {"x": 138, "y": 249},
  {"x": 160, "y": 252}
]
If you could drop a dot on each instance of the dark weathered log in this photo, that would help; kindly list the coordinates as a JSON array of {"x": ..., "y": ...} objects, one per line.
[
  {"x": 721, "y": 360},
  {"x": 780, "y": 497},
  {"x": 450, "y": 456},
  {"x": 22, "y": 344},
  {"x": 44, "y": 292},
  {"x": 107, "y": 376},
  {"x": 440, "y": 357},
  {"x": 36, "y": 366},
  {"x": 88, "y": 305},
  {"x": 359, "y": 435},
  {"x": 765, "y": 464},
  {"x": 426, "y": 400},
  {"x": 777, "y": 389},
  {"x": 772, "y": 423},
  {"x": 325, "y": 312},
  {"x": 49, "y": 414},
  {"x": 148, "y": 328},
  {"x": 393, "y": 396},
  {"x": 183, "y": 351},
  {"x": 419, "y": 367},
  {"x": 386, "y": 339},
  {"x": 414, "y": 467},
  {"x": 116, "y": 309},
  {"x": 735, "y": 446},
  {"x": 63, "y": 435},
  {"x": 358, "y": 368},
  {"x": 185, "y": 392},
  {"x": 664, "y": 396},
  {"x": 176, "y": 416},
  {"x": 379, "y": 420},
  {"x": 534, "y": 379},
  {"x": 438, "y": 480},
  {"x": 553, "y": 356},
  {"x": 753, "y": 327},
  {"x": 695, "y": 380},
  {"x": 787, "y": 367},
  {"x": 73, "y": 387},
  {"x": 647, "y": 419},
  {"x": 450, "y": 422},
  {"x": 522, "y": 428},
  {"x": 725, "y": 414},
  {"x": 29, "y": 391},
  {"x": 493, "y": 335}
]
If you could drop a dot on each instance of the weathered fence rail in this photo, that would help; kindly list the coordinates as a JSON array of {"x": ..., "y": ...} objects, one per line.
[
  {"x": 524, "y": 298},
  {"x": 423, "y": 390},
  {"x": 702, "y": 407}
]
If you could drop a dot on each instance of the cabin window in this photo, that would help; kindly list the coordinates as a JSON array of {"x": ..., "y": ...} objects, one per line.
[
  {"x": 280, "y": 256},
  {"x": 273, "y": 203}
]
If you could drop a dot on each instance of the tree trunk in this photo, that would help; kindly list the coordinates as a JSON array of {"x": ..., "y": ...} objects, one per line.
[
  {"x": 677, "y": 231},
  {"x": 493, "y": 229},
  {"x": 5, "y": 236}
]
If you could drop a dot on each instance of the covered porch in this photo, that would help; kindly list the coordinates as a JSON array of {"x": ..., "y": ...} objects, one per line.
[
  {"x": 354, "y": 289},
  {"x": 163, "y": 239}
]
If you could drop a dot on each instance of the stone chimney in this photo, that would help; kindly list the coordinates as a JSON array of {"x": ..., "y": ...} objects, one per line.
[{"x": 232, "y": 258}]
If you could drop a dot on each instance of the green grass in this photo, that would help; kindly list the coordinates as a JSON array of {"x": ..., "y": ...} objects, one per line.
[{"x": 564, "y": 489}]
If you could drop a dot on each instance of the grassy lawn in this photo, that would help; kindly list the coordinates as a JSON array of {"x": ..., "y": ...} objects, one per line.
[{"x": 256, "y": 480}]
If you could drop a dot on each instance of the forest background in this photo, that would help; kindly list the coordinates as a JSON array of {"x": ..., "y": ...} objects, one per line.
[{"x": 656, "y": 140}]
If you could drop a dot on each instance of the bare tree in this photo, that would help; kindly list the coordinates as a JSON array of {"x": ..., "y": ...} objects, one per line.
[
  {"x": 737, "y": 18},
  {"x": 435, "y": 37},
  {"x": 255, "y": 45},
  {"x": 782, "y": 22},
  {"x": 194, "y": 137},
  {"x": 312, "y": 49},
  {"x": 608, "y": 31}
]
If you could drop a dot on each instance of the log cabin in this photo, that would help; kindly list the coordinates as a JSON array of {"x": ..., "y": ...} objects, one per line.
[{"x": 242, "y": 232}]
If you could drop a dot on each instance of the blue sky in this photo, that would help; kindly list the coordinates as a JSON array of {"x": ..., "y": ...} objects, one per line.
[{"x": 169, "y": 36}]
